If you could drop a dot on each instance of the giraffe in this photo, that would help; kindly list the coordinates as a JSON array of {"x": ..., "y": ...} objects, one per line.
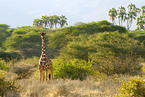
[{"x": 45, "y": 64}]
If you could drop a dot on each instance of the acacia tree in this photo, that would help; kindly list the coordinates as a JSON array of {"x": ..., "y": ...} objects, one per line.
[
  {"x": 63, "y": 21},
  {"x": 112, "y": 13},
  {"x": 121, "y": 14}
]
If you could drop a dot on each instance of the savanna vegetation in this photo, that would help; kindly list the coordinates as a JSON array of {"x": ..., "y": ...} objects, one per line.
[{"x": 96, "y": 59}]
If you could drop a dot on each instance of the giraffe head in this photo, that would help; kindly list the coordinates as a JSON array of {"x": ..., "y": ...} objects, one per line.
[{"x": 43, "y": 34}]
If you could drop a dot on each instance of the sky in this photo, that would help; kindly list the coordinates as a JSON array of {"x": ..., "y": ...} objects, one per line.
[{"x": 17, "y": 13}]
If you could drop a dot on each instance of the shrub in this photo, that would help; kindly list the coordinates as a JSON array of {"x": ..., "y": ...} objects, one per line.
[
  {"x": 6, "y": 85},
  {"x": 120, "y": 65},
  {"x": 74, "y": 69},
  {"x": 135, "y": 87},
  {"x": 28, "y": 44},
  {"x": 10, "y": 55},
  {"x": 4, "y": 65},
  {"x": 75, "y": 50},
  {"x": 25, "y": 67}
]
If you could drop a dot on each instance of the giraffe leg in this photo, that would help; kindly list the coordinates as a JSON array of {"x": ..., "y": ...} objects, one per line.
[
  {"x": 51, "y": 73},
  {"x": 49, "y": 76},
  {"x": 46, "y": 74},
  {"x": 42, "y": 75}
]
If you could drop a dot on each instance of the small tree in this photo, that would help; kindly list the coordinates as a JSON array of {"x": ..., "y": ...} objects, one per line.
[
  {"x": 141, "y": 19},
  {"x": 132, "y": 14},
  {"x": 74, "y": 69},
  {"x": 121, "y": 14},
  {"x": 112, "y": 13},
  {"x": 56, "y": 20},
  {"x": 37, "y": 23},
  {"x": 63, "y": 21},
  {"x": 45, "y": 20}
]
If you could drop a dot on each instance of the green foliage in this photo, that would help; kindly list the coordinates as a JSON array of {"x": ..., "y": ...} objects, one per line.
[
  {"x": 135, "y": 87},
  {"x": 128, "y": 16},
  {"x": 4, "y": 65},
  {"x": 140, "y": 19},
  {"x": 137, "y": 35},
  {"x": 113, "y": 14},
  {"x": 74, "y": 69},
  {"x": 120, "y": 65},
  {"x": 50, "y": 21},
  {"x": 10, "y": 55},
  {"x": 110, "y": 51},
  {"x": 65, "y": 35},
  {"x": 117, "y": 44},
  {"x": 4, "y": 26},
  {"x": 3, "y": 33},
  {"x": 102, "y": 45},
  {"x": 27, "y": 43},
  {"x": 29, "y": 29},
  {"x": 6, "y": 85}
]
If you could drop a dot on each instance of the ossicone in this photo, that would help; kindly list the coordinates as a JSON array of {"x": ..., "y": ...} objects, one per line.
[{"x": 43, "y": 33}]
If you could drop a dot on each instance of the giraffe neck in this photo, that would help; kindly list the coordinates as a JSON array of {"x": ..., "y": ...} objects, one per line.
[{"x": 43, "y": 47}]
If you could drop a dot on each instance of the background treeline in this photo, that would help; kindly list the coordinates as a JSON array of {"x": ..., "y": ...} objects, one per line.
[
  {"x": 100, "y": 42},
  {"x": 128, "y": 15},
  {"x": 51, "y": 21}
]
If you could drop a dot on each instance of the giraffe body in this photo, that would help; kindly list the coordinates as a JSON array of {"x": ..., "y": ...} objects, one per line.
[{"x": 45, "y": 63}]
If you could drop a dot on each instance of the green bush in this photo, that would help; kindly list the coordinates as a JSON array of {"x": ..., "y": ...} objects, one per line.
[
  {"x": 10, "y": 55},
  {"x": 4, "y": 65},
  {"x": 135, "y": 87},
  {"x": 74, "y": 69},
  {"x": 120, "y": 65},
  {"x": 28, "y": 44},
  {"x": 6, "y": 85}
]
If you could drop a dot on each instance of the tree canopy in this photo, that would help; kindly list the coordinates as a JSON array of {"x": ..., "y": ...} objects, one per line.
[
  {"x": 128, "y": 15},
  {"x": 50, "y": 21}
]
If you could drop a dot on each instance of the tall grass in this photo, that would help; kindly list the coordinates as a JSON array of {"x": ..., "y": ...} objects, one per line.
[{"x": 72, "y": 88}]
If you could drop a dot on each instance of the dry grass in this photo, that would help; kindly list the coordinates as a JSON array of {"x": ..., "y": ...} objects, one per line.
[
  {"x": 71, "y": 88},
  {"x": 31, "y": 86}
]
